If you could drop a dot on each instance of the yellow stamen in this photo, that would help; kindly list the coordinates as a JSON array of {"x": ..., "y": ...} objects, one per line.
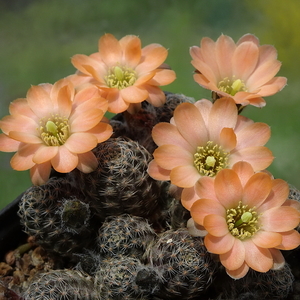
[
  {"x": 54, "y": 131},
  {"x": 242, "y": 221},
  {"x": 232, "y": 86},
  {"x": 210, "y": 159},
  {"x": 120, "y": 77}
]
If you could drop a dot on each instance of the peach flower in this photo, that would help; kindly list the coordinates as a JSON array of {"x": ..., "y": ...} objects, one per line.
[
  {"x": 244, "y": 71},
  {"x": 248, "y": 219},
  {"x": 126, "y": 73},
  {"x": 204, "y": 138},
  {"x": 54, "y": 127}
]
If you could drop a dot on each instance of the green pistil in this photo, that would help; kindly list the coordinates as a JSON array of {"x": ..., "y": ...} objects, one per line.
[
  {"x": 210, "y": 159},
  {"x": 242, "y": 221},
  {"x": 54, "y": 131},
  {"x": 120, "y": 77},
  {"x": 232, "y": 86}
]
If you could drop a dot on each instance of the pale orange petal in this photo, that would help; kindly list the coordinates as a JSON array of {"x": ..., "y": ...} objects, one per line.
[
  {"x": 207, "y": 73},
  {"x": 290, "y": 240},
  {"x": 162, "y": 77},
  {"x": 278, "y": 259},
  {"x": 7, "y": 144},
  {"x": 238, "y": 273},
  {"x": 267, "y": 239},
  {"x": 258, "y": 259},
  {"x": 64, "y": 161},
  {"x": 116, "y": 103},
  {"x": 20, "y": 107},
  {"x": 86, "y": 121},
  {"x": 244, "y": 171},
  {"x": 263, "y": 74},
  {"x": 188, "y": 197},
  {"x": 39, "y": 174},
  {"x": 22, "y": 160},
  {"x": 87, "y": 162},
  {"x": 235, "y": 257},
  {"x": 18, "y": 123},
  {"x": 110, "y": 49},
  {"x": 131, "y": 46},
  {"x": 204, "y": 188},
  {"x": 134, "y": 94},
  {"x": 44, "y": 153},
  {"x": 156, "y": 96},
  {"x": 64, "y": 101},
  {"x": 25, "y": 137},
  {"x": 156, "y": 172},
  {"x": 166, "y": 133},
  {"x": 154, "y": 58},
  {"x": 248, "y": 37},
  {"x": 190, "y": 124},
  {"x": 219, "y": 245},
  {"x": 216, "y": 225},
  {"x": 225, "y": 48},
  {"x": 81, "y": 142},
  {"x": 184, "y": 176},
  {"x": 257, "y": 189},
  {"x": 203, "y": 207},
  {"x": 39, "y": 101},
  {"x": 101, "y": 131},
  {"x": 256, "y": 134},
  {"x": 259, "y": 157},
  {"x": 228, "y": 188},
  {"x": 277, "y": 196},
  {"x": 280, "y": 219},
  {"x": 224, "y": 110},
  {"x": 204, "y": 106},
  {"x": 244, "y": 59},
  {"x": 227, "y": 139},
  {"x": 171, "y": 156},
  {"x": 273, "y": 86}
]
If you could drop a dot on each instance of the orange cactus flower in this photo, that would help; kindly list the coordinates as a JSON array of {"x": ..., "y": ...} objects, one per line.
[
  {"x": 204, "y": 138},
  {"x": 126, "y": 73},
  {"x": 54, "y": 127},
  {"x": 244, "y": 71},
  {"x": 248, "y": 219}
]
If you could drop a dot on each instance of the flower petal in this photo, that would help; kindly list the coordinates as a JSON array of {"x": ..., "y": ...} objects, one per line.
[
  {"x": 188, "y": 197},
  {"x": 259, "y": 157},
  {"x": 184, "y": 176},
  {"x": 44, "y": 154},
  {"x": 7, "y": 144},
  {"x": 190, "y": 124},
  {"x": 22, "y": 160},
  {"x": 166, "y": 133},
  {"x": 235, "y": 257},
  {"x": 258, "y": 259},
  {"x": 228, "y": 188},
  {"x": 171, "y": 156},
  {"x": 110, "y": 49},
  {"x": 219, "y": 245},
  {"x": 91, "y": 118},
  {"x": 204, "y": 188},
  {"x": 65, "y": 161},
  {"x": 267, "y": 239},
  {"x": 25, "y": 137},
  {"x": 101, "y": 131},
  {"x": 224, "y": 110},
  {"x": 238, "y": 273},
  {"x": 39, "y": 174},
  {"x": 81, "y": 142},
  {"x": 280, "y": 219},
  {"x": 203, "y": 207},
  {"x": 134, "y": 94},
  {"x": 278, "y": 259},
  {"x": 215, "y": 225},
  {"x": 131, "y": 46},
  {"x": 290, "y": 240},
  {"x": 257, "y": 189},
  {"x": 244, "y": 171},
  {"x": 227, "y": 139},
  {"x": 156, "y": 172},
  {"x": 87, "y": 162}
]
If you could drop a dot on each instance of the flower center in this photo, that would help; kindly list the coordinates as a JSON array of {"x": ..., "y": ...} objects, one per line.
[
  {"x": 55, "y": 130},
  {"x": 232, "y": 86},
  {"x": 242, "y": 221},
  {"x": 210, "y": 159},
  {"x": 120, "y": 77}
]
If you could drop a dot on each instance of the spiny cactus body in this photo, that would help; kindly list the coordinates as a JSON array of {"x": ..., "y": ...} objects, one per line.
[
  {"x": 184, "y": 263},
  {"x": 61, "y": 285},
  {"x": 126, "y": 235},
  {"x": 58, "y": 220}
]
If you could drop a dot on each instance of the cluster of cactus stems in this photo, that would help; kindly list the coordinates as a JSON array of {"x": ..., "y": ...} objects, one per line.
[{"x": 122, "y": 234}]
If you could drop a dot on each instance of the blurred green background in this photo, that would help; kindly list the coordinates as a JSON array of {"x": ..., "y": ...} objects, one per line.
[{"x": 38, "y": 38}]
